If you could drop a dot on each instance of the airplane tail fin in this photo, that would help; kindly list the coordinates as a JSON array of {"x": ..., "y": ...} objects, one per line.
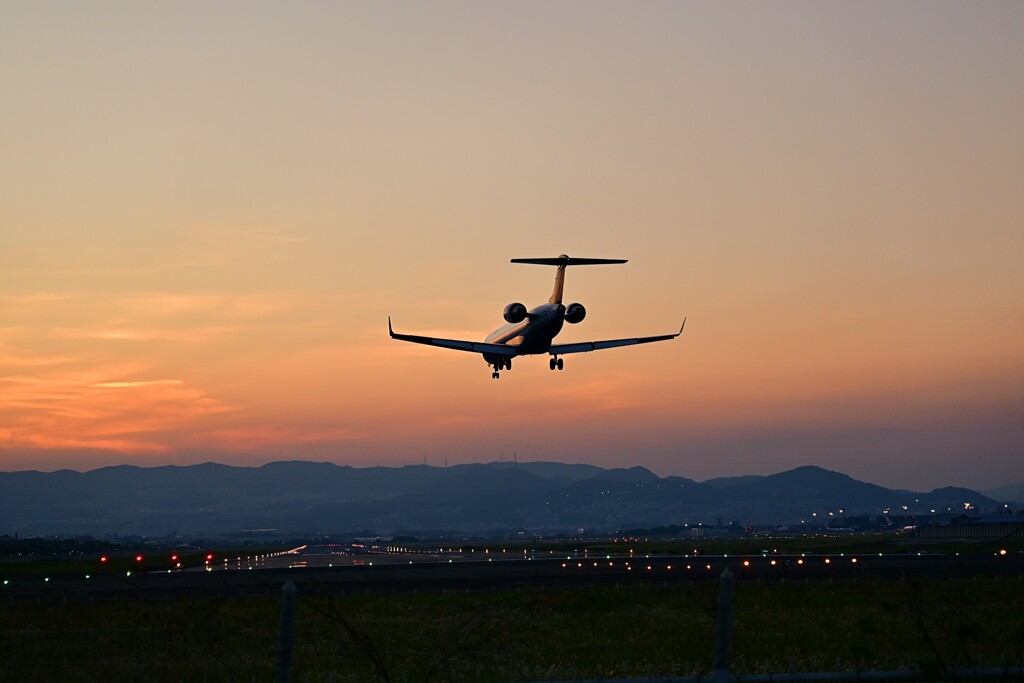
[{"x": 563, "y": 261}]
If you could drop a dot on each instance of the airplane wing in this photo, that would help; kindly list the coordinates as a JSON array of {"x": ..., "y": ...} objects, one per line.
[
  {"x": 583, "y": 347},
  {"x": 458, "y": 345}
]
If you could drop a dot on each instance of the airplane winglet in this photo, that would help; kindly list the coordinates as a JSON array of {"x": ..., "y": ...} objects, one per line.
[
  {"x": 391, "y": 332},
  {"x": 680, "y": 327}
]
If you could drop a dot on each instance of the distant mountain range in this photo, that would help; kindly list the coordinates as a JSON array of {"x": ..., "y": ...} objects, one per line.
[{"x": 307, "y": 497}]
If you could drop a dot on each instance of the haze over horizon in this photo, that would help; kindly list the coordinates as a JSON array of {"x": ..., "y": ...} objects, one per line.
[{"x": 208, "y": 213}]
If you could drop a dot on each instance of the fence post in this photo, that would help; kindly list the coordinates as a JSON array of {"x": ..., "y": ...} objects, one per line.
[
  {"x": 284, "y": 646},
  {"x": 724, "y": 628}
]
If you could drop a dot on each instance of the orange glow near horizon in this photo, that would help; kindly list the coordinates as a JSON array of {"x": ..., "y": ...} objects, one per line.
[{"x": 201, "y": 247}]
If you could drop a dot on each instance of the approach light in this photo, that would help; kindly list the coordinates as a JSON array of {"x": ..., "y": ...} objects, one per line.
[
  {"x": 174, "y": 557},
  {"x": 138, "y": 558},
  {"x": 104, "y": 558}
]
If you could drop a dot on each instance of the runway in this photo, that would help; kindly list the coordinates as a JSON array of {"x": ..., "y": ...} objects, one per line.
[{"x": 317, "y": 572}]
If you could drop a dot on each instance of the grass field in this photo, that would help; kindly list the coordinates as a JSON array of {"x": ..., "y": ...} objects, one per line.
[{"x": 528, "y": 634}]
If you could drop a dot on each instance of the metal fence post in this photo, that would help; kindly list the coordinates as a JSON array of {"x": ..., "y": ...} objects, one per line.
[
  {"x": 284, "y": 646},
  {"x": 724, "y": 628}
]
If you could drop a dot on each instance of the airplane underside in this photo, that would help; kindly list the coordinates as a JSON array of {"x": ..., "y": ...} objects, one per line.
[
  {"x": 532, "y": 332},
  {"x": 500, "y": 363}
]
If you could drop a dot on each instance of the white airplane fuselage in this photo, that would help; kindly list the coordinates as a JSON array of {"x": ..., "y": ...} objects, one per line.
[{"x": 532, "y": 335}]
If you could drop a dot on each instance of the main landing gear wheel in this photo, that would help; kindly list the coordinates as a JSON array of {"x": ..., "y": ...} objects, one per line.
[
  {"x": 495, "y": 375},
  {"x": 556, "y": 363}
]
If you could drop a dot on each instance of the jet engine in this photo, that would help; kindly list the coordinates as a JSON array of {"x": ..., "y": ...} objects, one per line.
[
  {"x": 515, "y": 313},
  {"x": 575, "y": 313}
]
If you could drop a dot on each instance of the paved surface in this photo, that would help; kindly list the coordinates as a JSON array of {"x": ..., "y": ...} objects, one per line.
[{"x": 323, "y": 572}]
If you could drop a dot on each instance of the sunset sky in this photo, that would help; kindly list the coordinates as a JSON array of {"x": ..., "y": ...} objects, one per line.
[{"x": 209, "y": 210}]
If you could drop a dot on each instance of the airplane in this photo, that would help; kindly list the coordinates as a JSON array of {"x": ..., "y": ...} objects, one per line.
[{"x": 530, "y": 332}]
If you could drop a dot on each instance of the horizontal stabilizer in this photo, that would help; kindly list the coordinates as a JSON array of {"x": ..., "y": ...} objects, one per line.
[{"x": 564, "y": 260}]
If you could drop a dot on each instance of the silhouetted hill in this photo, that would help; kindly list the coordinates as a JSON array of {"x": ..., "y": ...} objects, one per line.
[
  {"x": 1009, "y": 493},
  {"x": 724, "y": 482},
  {"x": 800, "y": 492},
  {"x": 308, "y": 497},
  {"x": 552, "y": 470},
  {"x": 638, "y": 475}
]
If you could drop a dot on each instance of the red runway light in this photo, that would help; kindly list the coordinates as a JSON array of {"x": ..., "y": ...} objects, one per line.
[
  {"x": 174, "y": 557},
  {"x": 138, "y": 558},
  {"x": 209, "y": 557},
  {"x": 104, "y": 558}
]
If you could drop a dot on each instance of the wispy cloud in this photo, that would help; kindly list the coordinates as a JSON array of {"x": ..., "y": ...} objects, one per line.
[
  {"x": 10, "y": 359},
  {"x": 139, "y": 384},
  {"x": 133, "y": 334},
  {"x": 84, "y": 410}
]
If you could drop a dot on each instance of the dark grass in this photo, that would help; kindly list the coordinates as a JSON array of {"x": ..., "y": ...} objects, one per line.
[{"x": 528, "y": 634}]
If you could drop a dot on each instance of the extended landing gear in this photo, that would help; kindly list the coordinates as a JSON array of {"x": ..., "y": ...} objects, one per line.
[
  {"x": 505, "y": 364},
  {"x": 556, "y": 362}
]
